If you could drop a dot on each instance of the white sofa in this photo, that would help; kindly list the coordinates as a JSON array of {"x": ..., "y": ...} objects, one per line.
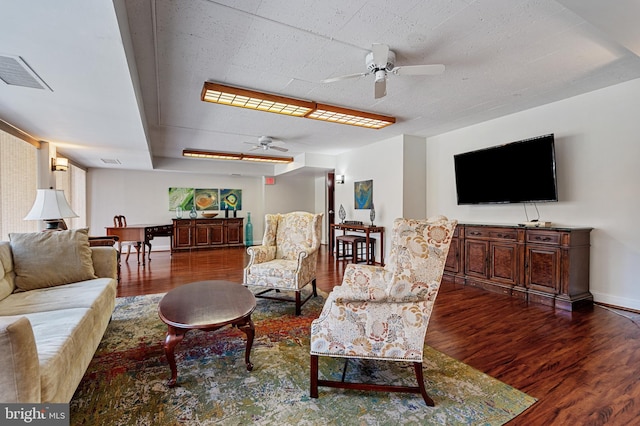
[{"x": 57, "y": 295}]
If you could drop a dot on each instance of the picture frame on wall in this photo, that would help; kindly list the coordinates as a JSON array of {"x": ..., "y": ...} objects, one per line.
[
  {"x": 180, "y": 197},
  {"x": 207, "y": 199},
  {"x": 363, "y": 194},
  {"x": 231, "y": 199}
]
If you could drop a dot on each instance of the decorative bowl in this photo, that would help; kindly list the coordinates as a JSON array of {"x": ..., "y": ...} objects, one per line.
[{"x": 209, "y": 215}]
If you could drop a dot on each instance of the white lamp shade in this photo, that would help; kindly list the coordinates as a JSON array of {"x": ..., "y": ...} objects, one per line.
[{"x": 50, "y": 204}]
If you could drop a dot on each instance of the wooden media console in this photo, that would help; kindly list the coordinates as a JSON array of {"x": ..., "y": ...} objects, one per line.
[{"x": 541, "y": 265}]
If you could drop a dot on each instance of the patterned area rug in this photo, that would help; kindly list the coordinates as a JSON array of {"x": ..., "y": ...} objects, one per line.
[{"x": 125, "y": 383}]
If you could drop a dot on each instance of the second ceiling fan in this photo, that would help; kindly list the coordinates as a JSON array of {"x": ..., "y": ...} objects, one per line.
[
  {"x": 381, "y": 61},
  {"x": 266, "y": 143}
]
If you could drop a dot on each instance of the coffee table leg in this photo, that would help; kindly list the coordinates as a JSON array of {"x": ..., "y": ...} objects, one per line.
[
  {"x": 174, "y": 336},
  {"x": 249, "y": 330}
]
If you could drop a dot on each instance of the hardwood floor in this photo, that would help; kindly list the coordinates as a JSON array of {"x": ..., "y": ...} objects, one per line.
[{"x": 582, "y": 366}]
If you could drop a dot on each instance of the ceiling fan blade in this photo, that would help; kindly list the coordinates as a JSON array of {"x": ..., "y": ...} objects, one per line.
[
  {"x": 419, "y": 70},
  {"x": 380, "y": 54},
  {"x": 277, "y": 148},
  {"x": 380, "y": 88},
  {"x": 343, "y": 77},
  {"x": 255, "y": 147}
]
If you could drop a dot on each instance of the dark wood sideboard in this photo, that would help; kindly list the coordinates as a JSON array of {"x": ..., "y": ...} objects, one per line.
[
  {"x": 190, "y": 234},
  {"x": 541, "y": 265}
]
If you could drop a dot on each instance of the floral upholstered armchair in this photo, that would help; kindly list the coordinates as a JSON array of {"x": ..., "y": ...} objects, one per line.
[
  {"x": 382, "y": 313},
  {"x": 287, "y": 258}
]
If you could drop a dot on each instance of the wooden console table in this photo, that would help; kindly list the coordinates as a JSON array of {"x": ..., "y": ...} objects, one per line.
[
  {"x": 542, "y": 265},
  {"x": 191, "y": 234},
  {"x": 142, "y": 234},
  {"x": 366, "y": 229}
]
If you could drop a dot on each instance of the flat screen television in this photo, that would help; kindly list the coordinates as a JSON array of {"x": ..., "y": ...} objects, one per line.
[{"x": 516, "y": 172}]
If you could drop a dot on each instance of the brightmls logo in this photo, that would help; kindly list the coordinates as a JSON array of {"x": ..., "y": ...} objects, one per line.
[{"x": 36, "y": 414}]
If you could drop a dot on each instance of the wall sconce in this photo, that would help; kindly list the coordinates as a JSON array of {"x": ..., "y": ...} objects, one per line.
[
  {"x": 340, "y": 179},
  {"x": 59, "y": 164}
]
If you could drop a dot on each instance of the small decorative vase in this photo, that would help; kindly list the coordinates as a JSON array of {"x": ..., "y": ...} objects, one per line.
[
  {"x": 342, "y": 214},
  {"x": 226, "y": 212},
  {"x": 248, "y": 231},
  {"x": 193, "y": 213},
  {"x": 235, "y": 212},
  {"x": 372, "y": 214},
  {"x": 179, "y": 212}
]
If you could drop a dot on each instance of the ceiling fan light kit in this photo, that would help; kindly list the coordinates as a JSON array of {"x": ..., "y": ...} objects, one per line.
[{"x": 251, "y": 99}]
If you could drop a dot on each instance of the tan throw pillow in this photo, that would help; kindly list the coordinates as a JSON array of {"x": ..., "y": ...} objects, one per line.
[{"x": 47, "y": 259}]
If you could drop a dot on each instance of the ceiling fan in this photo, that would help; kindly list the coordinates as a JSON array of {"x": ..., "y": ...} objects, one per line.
[
  {"x": 381, "y": 61},
  {"x": 266, "y": 143}
]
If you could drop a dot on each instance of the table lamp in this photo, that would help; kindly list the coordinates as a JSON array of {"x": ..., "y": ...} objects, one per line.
[{"x": 50, "y": 206}]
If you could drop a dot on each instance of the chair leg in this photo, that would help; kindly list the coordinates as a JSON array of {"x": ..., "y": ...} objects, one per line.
[
  {"x": 427, "y": 399},
  {"x": 126, "y": 259},
  {"x": 344, "y": 370},
  {"x": 313, "y": 391},
  {"x": 315, "y": 290},
  {"x": 298, "y": 304}
]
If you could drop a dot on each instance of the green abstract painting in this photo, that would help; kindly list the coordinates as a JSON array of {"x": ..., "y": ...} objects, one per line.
[{"x": 181, "y": 197}]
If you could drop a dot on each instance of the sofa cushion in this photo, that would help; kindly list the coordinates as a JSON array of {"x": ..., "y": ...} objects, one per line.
[
  {"x": 6, "y": 270},
  {"x": 47, "y": 259},
  {"x": 65, "y": 340},
  {"x": 85, "y": 294}
]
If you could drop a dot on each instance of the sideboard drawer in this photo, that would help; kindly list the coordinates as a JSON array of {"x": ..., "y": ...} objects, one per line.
[{"x": 543, "y": 237}]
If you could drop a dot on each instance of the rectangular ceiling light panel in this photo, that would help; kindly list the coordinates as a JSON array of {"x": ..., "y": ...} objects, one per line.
[
  {"x": 243, "y": 98},
  {"x": 217, "y": 155},
  {"x": 251, "y": 99},
  {"x": 351, "y": 117}
]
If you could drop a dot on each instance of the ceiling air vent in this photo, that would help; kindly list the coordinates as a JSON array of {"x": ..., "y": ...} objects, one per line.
[
  {"x": 110, "y": 161},
  {"x": 16, "y": 72}
]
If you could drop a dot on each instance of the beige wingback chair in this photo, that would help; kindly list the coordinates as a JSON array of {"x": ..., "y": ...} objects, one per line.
[
  {"x": 382, "y": 313},
  {"x": 287, "y": 258}
]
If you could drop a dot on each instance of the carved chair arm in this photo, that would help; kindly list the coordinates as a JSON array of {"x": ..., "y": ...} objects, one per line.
[{"x": 261, "y": 254}]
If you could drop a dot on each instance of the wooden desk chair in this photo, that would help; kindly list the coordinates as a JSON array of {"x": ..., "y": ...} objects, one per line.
[{"x": 119, "y": 221}]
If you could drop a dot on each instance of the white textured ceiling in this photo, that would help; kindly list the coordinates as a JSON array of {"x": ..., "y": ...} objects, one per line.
[{"x": 127, "y": 76}]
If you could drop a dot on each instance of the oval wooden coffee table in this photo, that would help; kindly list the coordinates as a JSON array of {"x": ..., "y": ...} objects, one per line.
[{"x": 205, "y": 305}]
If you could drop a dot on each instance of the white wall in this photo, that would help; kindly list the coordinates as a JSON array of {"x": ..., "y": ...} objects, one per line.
[
  {"x": 414, "y": 172},
  {"x": 597, "y": 152},
  {"x": 144, "y": 199},
  {"x": 383, "y": 162},
  {"x": 291, "y": 193}
]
